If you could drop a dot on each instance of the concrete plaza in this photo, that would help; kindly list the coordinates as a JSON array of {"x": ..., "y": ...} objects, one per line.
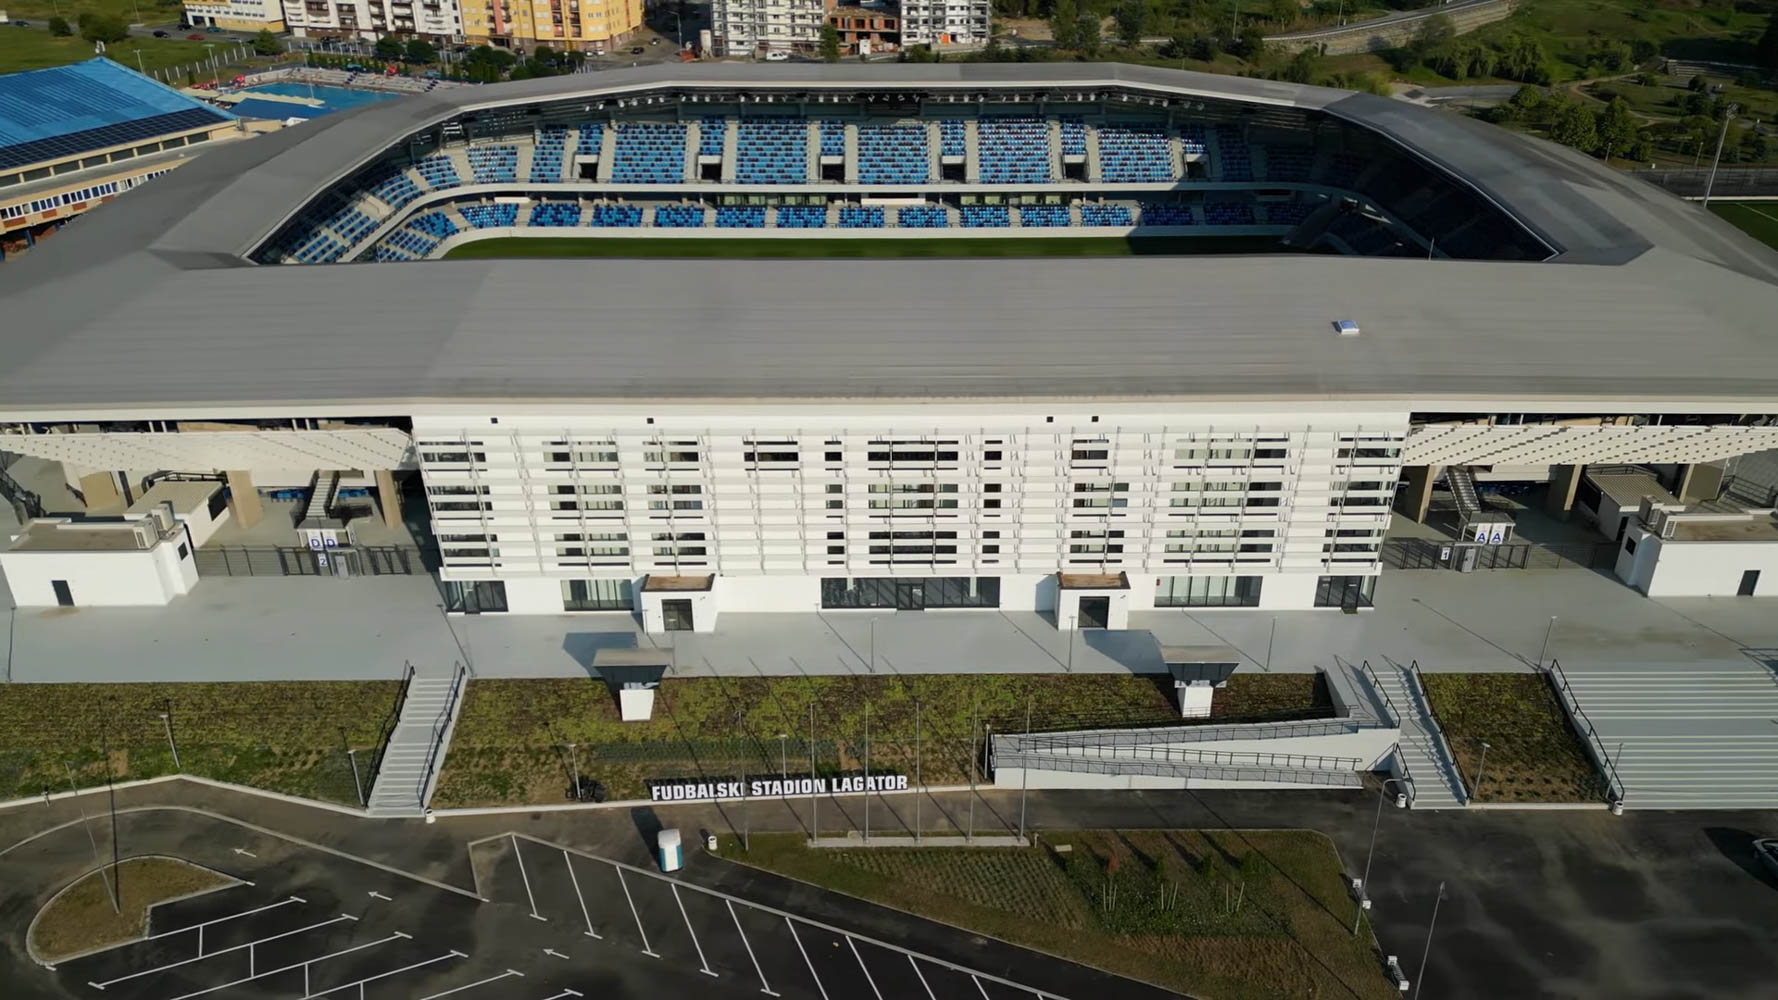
[{"x": 312, "y": 629}]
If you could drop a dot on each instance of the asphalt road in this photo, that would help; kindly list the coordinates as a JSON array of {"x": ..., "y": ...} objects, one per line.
[{"x": 1537, "y": 903}]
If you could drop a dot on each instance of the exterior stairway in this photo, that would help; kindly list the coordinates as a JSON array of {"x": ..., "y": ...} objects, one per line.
[
  {"x": 321, "y": 496},
  {"x": 410, "y": 764},
  {"x": 1423, "y": 749},
  {"x": 1684, "y": 738},
  {"x": 1462, "y": 485}
]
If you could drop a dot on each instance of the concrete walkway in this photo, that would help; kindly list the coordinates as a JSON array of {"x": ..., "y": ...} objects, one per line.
[{"x": 307, "y": 628}]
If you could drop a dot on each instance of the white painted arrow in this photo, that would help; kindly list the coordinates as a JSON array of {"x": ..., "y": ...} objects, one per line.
[
  {"x": 245, "y": 852},
  {"x": 377, "y": 895},
  {"x": 554, "y": 953}
]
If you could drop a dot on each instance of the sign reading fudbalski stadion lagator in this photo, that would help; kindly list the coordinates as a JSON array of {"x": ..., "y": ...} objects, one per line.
[{"x": 700, "y": 790}]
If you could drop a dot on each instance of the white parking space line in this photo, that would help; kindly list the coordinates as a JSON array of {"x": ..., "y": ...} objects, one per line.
[
  {"x": 565, "y": 993},
  {"x": 861, "y": 966},
  {"x": 447, "y": 956},
  {"x": 199, "y": 927},
  {"x": 799, "y": 947},
  {"x": 569, "y": 861},
  {"x": 631, "y": 900},
  {"x": 304, "y": 964},
  {"x": 703, "y": 965},
  {"x": 249, "y": 945},
  {"x": 922, "y": 976},
  {"x": 980, "y": 987},
  {"x": 521, "y": 857},
  {"x": 458, "y": 989},
  {"x": 764, "y": 987}
]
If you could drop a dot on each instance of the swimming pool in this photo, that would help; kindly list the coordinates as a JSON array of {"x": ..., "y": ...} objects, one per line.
[{"x": 332, "y": 99}]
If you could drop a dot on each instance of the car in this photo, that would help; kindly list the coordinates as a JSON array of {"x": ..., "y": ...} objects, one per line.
[
  {"x": 194, "y": 38},
  {"x": 212, "y": 29},
  {"x": 638, "y": 50},
  {"x": 160, "y": 34},
  {"x": 777, "y": 55},
  {"x": 1765, "y": 851},
  {"x": 21, "y": 24}
]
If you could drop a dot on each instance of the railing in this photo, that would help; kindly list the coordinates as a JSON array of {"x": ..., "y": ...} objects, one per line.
[
  {"x": 1730, "y": 181},
  {"x": 1422, "y": 553},
  {"x": 25, "y": 503},
  {"x": 1437, "y": 732},
  {"x": 1175, "y": 769},
  {"x": 386, "y": 730},
  {"x": 1407, "y": 776},
  {"x": 458, "y": 679},
  {"x": 1389, "y": 709},
  {"x": 1577, "y": 717},
  {"x": 1186, "y": 734},
  {"x": 291, "y": 560},
  {"x": 1189, "y": 755}
]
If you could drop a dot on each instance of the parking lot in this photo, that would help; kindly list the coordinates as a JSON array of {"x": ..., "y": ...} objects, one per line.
[{"x": 730, "y": 946}]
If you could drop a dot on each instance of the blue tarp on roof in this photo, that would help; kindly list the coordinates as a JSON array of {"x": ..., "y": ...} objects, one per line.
[
  {"x": 253, "y": 107},
  {"x": 50, "y": 113}
]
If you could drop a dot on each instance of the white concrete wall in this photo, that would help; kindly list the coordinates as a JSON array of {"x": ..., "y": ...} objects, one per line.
[
  {"x": 201, "y": 525},
  {"x": 1290, "y": 591},
  {"x": 534, "y": 597},
  {"x": 1665, "y": 568},
  {"x": 703, "y": 609},
  {"x": 101, "y": 579}
]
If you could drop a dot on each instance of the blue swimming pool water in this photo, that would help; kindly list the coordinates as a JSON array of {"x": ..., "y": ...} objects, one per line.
[{"x": 331, "y": 98}]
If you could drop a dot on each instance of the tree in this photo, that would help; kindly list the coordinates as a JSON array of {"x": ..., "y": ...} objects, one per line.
[
  {"x": 1131, "y": 16},
  {"x": 420, "y": 51},
  {"x": 830, "y": 43},
  {"x": 486, "y": 64},
  {"x": 918, "y": 54},
  {"x": 1432, "y": 33},
  {"x": 1304, "y": 67},
  {"x": 58, "y": 26},
  {"x": 266, "y": 44},
  {"x": 1697, "y": 84},
  {"x": 1087, "y": 36},
  {"x": 1766, "y": 51},
  {"x": 103, "y": 29},
  {"x": 388, "y": 48},
  {"x": 1617, "y": 128},
  {"x": 1065, "y": 24},
  {"x": 1577, "y": 126}
]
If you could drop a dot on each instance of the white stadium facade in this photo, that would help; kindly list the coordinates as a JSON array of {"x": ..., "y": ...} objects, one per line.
[{"x": 1407, "y": 297}]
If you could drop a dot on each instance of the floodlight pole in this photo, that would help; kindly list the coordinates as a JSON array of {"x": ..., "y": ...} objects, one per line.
[
  {"x": 1420, "y": 980},
  {"x": 1481, "y": 768},
  {"x": 814, "y": 798},
  {"x": 873, "y": 645},
  {"x": 167, "y": 719},
  {"x": 1544, "y": 652},
  {"x": 1717, "y": 159},
  {"x": 1025, "y": 772},
  {"x": 357, "y": 783},
  {"x": 867, "y": 772},
  {"x": 1364, "y": 883},
  {"x": 919, "y": 789},
  {"x": 574, "y": 763},
  {"x": 90, "y": 839},
  {"x": 783, "y": 758}
]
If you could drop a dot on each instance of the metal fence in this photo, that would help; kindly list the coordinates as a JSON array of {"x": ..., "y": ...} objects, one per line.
[
  {"x": 359, "y": 560},
  {"x": 1731, "y": 182},
  {"x": 1420, "y": 553}
]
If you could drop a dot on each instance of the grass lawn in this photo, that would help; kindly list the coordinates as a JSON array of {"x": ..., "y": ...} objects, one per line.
[
  {"x": 1222, "y": 915},
  {"x": 1758, "y": 219},
  {"x": 1533, "y": 755},
  {"x": 962, "y": 246},
  {"x": 81, "y": 918},
  {"x": 131, "y": 11},
  {"x": 288, "y": 737},
  {"x": 36, "y": 48},
  {"x": 507, "y": 747}
]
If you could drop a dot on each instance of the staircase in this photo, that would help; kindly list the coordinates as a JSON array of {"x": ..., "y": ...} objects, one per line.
[
  {"x": 1684, "y": 738},
  {"x": 410, "y": 764},
  {"x": 1423, "y": 748},
  {"x": 1462, "y": 485},
  {"x": 321, "y": 496}
]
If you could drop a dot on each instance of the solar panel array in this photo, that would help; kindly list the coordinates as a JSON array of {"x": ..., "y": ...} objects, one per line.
[{"x": 54, "y": 113}]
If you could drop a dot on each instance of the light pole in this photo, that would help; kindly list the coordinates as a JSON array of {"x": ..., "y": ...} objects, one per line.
[
  {"x": 867, "y": 772},
  {"x": 783, "y": 758},
  {"x": 90, "y": 839},
  {"x": 574, "y": 764},
  {"x": 814, "y": 782},
  {"x": 1717, "y": 159},
  {"x": 873, "y": 645},
  {"x": 1073, "y": 623},
  {"x": 1364, "y": 883},
  {"x": 357, "y": 783},
  {"x": 1421, "y": 979},
  {"x": 167, "y": 720},
  {"x": 1025, "y": 772},
  {"x": 1480, "y": 769},
  {"x": 919, "y": 789},
  {"x": 1548, "y": 629}
]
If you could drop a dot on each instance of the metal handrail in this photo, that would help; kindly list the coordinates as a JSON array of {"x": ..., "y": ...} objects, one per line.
[
  {"x": 458, "y": 677},
  {"x": 1407, "y": 775},
  {"x": 1578, "y": 717},
  {"x": 1193, "y": 755},
  {"x": 1377, "y": 686},
  {"x": 1174, "y": 769},
  {"x": 1438, "y": 731},
  {"x": 1190, "y": 734}
]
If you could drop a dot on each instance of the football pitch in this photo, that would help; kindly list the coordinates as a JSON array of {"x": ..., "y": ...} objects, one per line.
[
  {"x": 862, "y": 248},
  {"x": 1758, "y": 219}
]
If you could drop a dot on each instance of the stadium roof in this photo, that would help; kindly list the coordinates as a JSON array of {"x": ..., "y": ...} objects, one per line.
[
  {"x": 149, "y": 302},
  {"x": 48, "y": 114}
]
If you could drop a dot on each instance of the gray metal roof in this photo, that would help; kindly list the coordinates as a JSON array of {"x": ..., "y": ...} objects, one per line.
[{"x": 148, "y": 302}]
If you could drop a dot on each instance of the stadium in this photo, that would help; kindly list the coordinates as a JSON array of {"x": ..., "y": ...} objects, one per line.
[{"x": 1252, "y": 323}]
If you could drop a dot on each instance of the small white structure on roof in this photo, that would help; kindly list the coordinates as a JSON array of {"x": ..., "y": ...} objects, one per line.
[
  {"x": 141, "y": 557},
  {"x": 1670, "y": 552}
]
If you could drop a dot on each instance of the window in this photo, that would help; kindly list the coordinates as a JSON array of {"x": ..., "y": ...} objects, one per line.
[
  {"x": 1207, "y": 592},
  {"x": 1345, "y": 591},
  {"x": 184, "y": 550},
  {"x": 474, "y": 596},
  {"x": 901, "y": 591},
  {"x": 675, "y": 491},
  {"x": 772, "y": 456},
  {"x": 453, "y": 456},
  {"x": 596, "y": 595},
  {"x": 912, "y": 496}
]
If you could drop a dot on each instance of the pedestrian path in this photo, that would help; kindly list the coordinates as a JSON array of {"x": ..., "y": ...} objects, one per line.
[
  {"x": 1687, "y": 737},
  {"x": 422, "y": 736},
  {"x": 1423, "y": 748}
]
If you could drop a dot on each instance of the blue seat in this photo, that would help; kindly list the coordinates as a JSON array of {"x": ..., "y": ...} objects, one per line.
[
  {"x": 741, "y": 217},
  {"x": 490, "y": 216},
  {"x": 494, "y": 164},
  {"x": 1097, "y": 214},
  {"x": 1074, "y": 136},
  {"x": 617, "y": 216},
  {"x": 985, "y": 216},
  {"x": 1289, "y": 163},
  {"x": 433, "y": 224},
  {"x": 922, "y": 217},
  {"x": 952, "y": 138},
  {"x": 438, "y": 172},
  {"x": 1138, "y": 153},
  {"x": 679, "y": 216},
  {"x": 1167, "y": 213},
  {"x": 592, "y": 137},
  {"x": 1228, "y": 213},
  {"x": 547, "y": 154},
  {"x": 802, "y": 216},
  {"x": 1043, "y": 215},
  {"x": 1286, "y": 213},
  {"x": 555, "y": 213},
  {"x": 712, "y": 129},
  {"x": 861, "y": 217},
  {"x": 397, "y": 190},
  {"x": 649, "y": 153},
  {"x": 833, "y": 138},
  {"x": 893, "y": 154},
  {"x": 772, "y": 151},
  {"x": 1237, "y": 163},
  {"x": 1012, "y": 150}
]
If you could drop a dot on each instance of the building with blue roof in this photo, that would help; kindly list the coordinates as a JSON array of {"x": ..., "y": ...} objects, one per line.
[{"x": 72, "y": 137}]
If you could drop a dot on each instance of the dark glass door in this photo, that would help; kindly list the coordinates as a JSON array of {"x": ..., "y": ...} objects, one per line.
[
  {"x": 910, "y": 595},
  {"x": 676, "y": 615},
  {"x": 1095, "y": 612}
]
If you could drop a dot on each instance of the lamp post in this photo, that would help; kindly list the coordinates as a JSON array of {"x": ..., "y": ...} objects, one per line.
[
  {"x": 814, "y": 797},
  {"x": 867, "y": 772},
  {"x": 1364, "y": 883},
  {"x": 1073, "y": 626},
  {"x": 90, "y": 839},
  {"x": 1544, "y": 652},
  {"x": 167, "y": 720},
  {"x": 919, "y": 789},
  {"x": 357, "y": 783},
  {"x": 1717, "y": 159},
  {"x": 1480, "y": 769},
  {"x": 1420, "y": 979},
  {"x": 574, "y": 765},
  {"x": 1025, "y": 772},
  {"x": 873, "y": 645},
  {"x": 783, "y": 758}
]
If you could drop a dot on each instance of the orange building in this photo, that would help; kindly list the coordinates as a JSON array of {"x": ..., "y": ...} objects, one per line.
[
  {"x": 878, "y": 29},
  {"x": 586, "y": 25}
]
